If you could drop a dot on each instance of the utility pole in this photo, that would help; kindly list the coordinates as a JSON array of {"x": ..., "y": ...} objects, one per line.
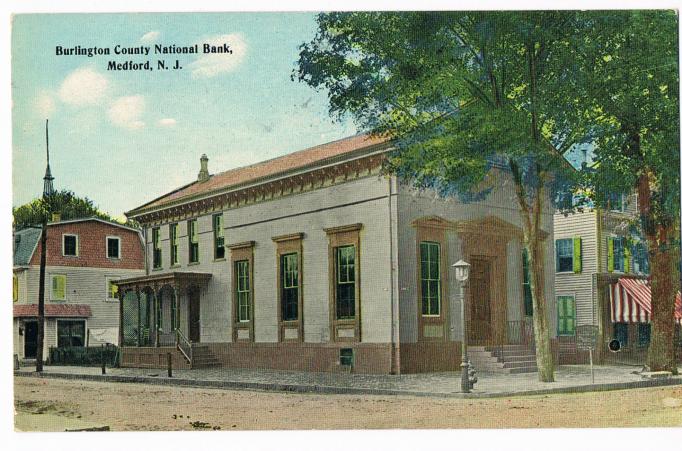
[{"x": 48, "y": 190}]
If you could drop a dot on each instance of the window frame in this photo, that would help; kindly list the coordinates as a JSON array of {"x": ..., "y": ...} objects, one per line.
[
  {"x": 71, "y": 321},
  {"x": 156, "y": 248},
  {"x": 438, "y": 280},
  {"x": 618, "y": 257},
  {"x": 70, "y": 235},
  {"x": 559, "y": 269},
  {"x": 561, "y": 331},
  {"x": 242, "y": 270},
  {"x": 174, "y": 247},
  {"x": 344, "y": 329},
  {"x": 621, "y": 202},
  {"x": 294, "y": 285},
  {"x": 640, "y": 328},
  {"x": 192, "y": 242},
  {"x": 107, "y": 283},
  {"x": 624, "y": 327},
  {"x": 242, "y": 330},
  {"x": 117, "y": 238},
  {"x": 52, "y": 277},
  {"x": 218, "y": 233},
  {"x": 338, "y": 283}
]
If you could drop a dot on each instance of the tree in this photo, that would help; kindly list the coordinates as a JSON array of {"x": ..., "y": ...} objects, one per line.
[
  {"x": 64, "y": 202},
  {"x": 629, "y": 90},
  {"x": 456, "y": 91}
]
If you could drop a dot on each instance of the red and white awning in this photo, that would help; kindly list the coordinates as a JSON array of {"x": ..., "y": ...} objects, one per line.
[{"x": 631, "y": 301}]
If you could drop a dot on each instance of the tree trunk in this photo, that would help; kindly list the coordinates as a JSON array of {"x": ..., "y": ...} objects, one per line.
[
  {"x": 531, "y": 216},
  {"x": 661, "y": 355}
]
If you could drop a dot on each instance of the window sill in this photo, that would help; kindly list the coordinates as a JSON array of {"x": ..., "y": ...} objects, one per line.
[
  {"x": 177, "y": 265},
  {"x": 219, "y": 259},
  {"x": 192, "y": 263},
  {"x": 157, "y": 269},
  {"x": 566, "y": 272},
  {"x": 115, "y": 259}
]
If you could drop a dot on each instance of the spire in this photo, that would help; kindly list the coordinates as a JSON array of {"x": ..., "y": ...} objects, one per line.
[{"x": 48, "y": 188}]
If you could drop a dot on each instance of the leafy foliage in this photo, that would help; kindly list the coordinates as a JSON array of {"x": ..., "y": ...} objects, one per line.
[{"x": 65, "y": 202}]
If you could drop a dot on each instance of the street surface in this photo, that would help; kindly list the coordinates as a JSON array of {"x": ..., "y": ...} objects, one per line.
[{"x": 131, "y": 407}]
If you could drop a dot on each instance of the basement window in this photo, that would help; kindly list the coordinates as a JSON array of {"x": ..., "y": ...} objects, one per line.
[{"x": 346, "y": 357}]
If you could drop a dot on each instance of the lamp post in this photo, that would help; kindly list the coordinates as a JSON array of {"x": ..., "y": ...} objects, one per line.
[{"x": 462, "y": 275}]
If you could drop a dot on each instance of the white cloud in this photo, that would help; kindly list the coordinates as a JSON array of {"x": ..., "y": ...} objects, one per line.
[
  {"x": 45, "y": 104},
  {"x": 126, "y": 112},
  {"x": 167, "y": 122},
  {"x": 150, "y": 37},
  {"x": 84, "y": 86},
  {"x": 211, "y": 64}
]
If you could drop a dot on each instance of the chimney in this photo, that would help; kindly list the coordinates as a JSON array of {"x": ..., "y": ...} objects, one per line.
[
  {"x": 56, "y": 217},
  {"x": 203, "y": 173}
]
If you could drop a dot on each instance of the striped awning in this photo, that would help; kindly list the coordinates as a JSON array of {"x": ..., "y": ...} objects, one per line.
[{"x": 631, "y": 301}]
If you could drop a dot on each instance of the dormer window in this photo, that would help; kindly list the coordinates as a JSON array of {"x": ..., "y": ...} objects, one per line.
[
  {"x": 70, "y": 245},
  {"x": 113, "y": 247}
]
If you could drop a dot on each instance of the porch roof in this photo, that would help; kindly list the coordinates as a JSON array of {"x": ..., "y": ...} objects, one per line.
[
  {"x": 53, "y": 311},
  {"x": 175, "y": 278}
]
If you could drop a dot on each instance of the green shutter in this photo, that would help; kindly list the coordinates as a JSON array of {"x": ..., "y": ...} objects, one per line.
[
  {"x": 577, "y": 255},
  {"x": 610, "y": 261},
  {"x": 626, "y": 259}
]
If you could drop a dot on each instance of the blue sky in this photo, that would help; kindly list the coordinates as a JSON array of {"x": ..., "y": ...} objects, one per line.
[{"x": 124, "y": 137}]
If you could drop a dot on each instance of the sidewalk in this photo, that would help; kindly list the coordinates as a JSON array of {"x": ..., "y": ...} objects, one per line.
[{"x": 568, "y": 378}]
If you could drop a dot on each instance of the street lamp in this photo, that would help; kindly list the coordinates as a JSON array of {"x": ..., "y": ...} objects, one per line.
[{"x": 462, "y": 275}]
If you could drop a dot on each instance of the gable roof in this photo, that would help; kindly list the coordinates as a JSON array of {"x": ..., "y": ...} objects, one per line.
[
  {"x": 265, "y": 169},
  {"x": 25, "y": 242},
  {"x": 94, "y": 218}
]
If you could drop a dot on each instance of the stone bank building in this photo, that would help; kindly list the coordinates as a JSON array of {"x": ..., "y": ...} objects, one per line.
[{"x": 317, "y": 261}]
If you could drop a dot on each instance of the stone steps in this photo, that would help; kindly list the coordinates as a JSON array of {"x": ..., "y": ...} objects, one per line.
[{"x": 509, "y": 359}]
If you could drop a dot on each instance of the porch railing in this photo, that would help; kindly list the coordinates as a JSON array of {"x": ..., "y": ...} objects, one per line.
[{"x": 184, "y": 345}]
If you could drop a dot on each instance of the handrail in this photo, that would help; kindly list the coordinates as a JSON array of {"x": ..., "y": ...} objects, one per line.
[{"x": 184, "y": 345}]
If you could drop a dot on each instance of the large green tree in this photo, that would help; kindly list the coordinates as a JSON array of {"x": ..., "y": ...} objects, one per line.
[
  {"x": 629, "y": 93},
  {"x": 457, "y": 92},
  {"x": 64, "y": 202}
]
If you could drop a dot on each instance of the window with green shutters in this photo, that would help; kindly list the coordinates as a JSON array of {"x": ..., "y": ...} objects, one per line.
[
  {"x": 564, "y": 255},
  {"x": 193, "y": 236},
  {"x": 218, "y": 237},
  {"x": 616, "y": 254},
  {"x": 566, "y": 310},
  {"x": 345, "y": 282},
  {"x": 58, "y": 291},
  {"x": 430, "y": 278},
  {"x": 173, "y": 233},
  {"x": 243, "y": 290},
  {"x": 527, "y": 293},
  {"x": 156, "y": 248}
]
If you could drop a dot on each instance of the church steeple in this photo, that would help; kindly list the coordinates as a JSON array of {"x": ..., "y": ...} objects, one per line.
[{"x": 48, "y": 187}]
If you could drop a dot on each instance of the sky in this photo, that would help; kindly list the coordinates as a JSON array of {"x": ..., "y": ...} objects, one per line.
[{"x": 123, "y": 138}]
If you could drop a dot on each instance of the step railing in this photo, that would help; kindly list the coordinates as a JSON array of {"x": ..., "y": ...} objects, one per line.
[{"x": 184, "y": 345}]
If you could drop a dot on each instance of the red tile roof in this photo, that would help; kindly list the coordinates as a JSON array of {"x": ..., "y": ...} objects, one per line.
[
  {"x": 295, "y": 160},
  {"x": 53, "y": 310}
]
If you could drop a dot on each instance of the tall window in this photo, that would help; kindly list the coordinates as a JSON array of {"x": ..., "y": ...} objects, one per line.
[
  {"x": 643, "y": 334},
  {"x": 640, "y": 258},
  {"x": 218, "y": 237},
  {"x": 193, "y": 236},
  {"x": 618, "y": 254},
  {"x": 58, "y": 285},
  {"x": 566, "y": 311},
  {"x": 113, "y": 247},
  {"x": 156, "y": 246},
  {"x": 15, "y": 288},
  {"x": 527, "y": 293},
  {"x": 243, "y": 290},
  {"x": 564, "y": 255},
  {"x": 173, "y": 234},
  {"x": 345, "y": 282},
  {"x": 70, "y": 333},
  {"x": 289, "y": 283},
  {"x": 615, "y": 201},
  {"x": 70, "y": 245},
  {"x": 620, "y": 333},
  {"x": 430, "y": 278}
]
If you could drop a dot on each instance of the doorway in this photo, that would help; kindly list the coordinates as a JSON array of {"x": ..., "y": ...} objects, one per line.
[
  {"x": 194, "y": 315},
  {"x": 480, "y": 327},
  {"x": 30, "y": 339}
]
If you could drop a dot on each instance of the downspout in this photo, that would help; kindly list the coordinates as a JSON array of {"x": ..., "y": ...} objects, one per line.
[{"x": 395, "y": 315}]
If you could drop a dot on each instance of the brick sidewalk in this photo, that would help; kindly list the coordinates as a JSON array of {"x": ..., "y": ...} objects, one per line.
[{"x": 569, "y": 378}]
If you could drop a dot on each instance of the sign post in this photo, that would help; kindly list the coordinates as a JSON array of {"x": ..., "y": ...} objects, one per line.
[{"x": 586, "y": 340}]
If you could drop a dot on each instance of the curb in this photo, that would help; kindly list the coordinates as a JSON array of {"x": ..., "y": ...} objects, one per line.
[{"x": 326, "y": 389}]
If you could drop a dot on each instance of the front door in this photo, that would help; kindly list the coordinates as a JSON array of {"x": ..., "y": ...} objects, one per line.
[
  {"x": 30, "y": 339},
  {"x": 194, "y": 317},
  {"x": 479, "y": 302}
]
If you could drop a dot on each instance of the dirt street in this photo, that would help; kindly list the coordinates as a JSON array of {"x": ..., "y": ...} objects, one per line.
[{"x": 147, "y": 407}]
